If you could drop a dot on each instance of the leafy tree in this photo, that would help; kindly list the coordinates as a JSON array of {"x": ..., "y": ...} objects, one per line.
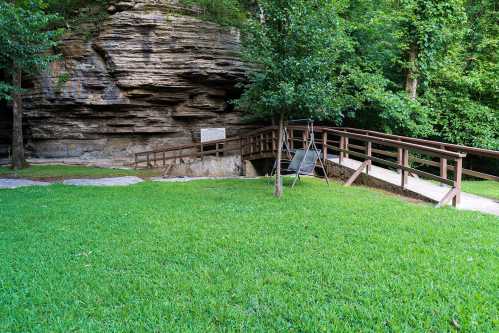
[
  {"x": 429, "y": 68},
  {"x": 465, "y": 93},
  {"x": 224, "y": 12},
  {"x": 24, "y": 42},
  {"x": 298, "y": 47}
]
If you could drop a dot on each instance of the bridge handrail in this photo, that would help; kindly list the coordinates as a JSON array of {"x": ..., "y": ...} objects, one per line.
[
  {"x": 443, "y": 145},
  {"x": 262, "y": 143},
  {"x": 258, "y": 143},
  {"x": 151, "y": 156}
]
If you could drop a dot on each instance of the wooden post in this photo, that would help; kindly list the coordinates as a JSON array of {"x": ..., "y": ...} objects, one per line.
[
  {"x": 262, "y": 143},
  {"x": 458, "y": 173},
  {"x": 405, "y": 163},
  {"x": 369, "y": 154},
  {"x": 443, "y": 165},
  {"x": 148, "y": 164},
  {"x": 346, "y": 143},
  {"x": 164, "y": 159},
  {"x": 342, "y": 145},
  {"x": 304, "y": 138},
  {"x": 291, "y": 139},
  {"x": 136, "y": 161},
  {"x": 400, "y": 158},
  {"x": 201, "y": 150},
  {"x": 216, "y": 149},
  {"x": 324, "y": 147}
]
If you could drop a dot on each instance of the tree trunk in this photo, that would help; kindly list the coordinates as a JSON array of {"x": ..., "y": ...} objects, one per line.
[
  {"x": 411, "y": 81},
  {"x": 18, "y": 161},
  {"x": 280, "y": 142}
]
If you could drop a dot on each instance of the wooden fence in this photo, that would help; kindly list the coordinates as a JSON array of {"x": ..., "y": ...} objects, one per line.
[
  {"x": 162, "y": 157},
  {"x": 390, "y": 151}
]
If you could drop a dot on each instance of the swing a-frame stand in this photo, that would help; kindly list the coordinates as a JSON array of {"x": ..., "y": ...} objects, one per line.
[{"x": 304, "y": 160}]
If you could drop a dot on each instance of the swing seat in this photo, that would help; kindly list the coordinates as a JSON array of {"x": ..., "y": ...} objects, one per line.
[{"x": 307, "y": 161}]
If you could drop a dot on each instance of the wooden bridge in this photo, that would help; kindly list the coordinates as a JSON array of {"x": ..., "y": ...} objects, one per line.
[{"x": 419, "y": 166}]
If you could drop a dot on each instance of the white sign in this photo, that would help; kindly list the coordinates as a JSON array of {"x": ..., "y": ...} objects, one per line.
[{"x": 212, "y": 134}]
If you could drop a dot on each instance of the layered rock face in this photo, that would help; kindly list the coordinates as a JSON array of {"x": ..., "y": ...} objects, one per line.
[{"x": 149, "y": 78}]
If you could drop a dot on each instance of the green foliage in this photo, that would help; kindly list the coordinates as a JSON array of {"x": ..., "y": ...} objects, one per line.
[
  {"x": 24, "y": 41},
  {"x": 373, "y": 105},
  {"x": 61, "y": 80},
  {"x": 323, "y": 59},
  {"x": 224, "y": 12},
  {"x": 298, "y": 50},
  {"x": 336, "y": 60},
  {"x": 456, "y": 66},
  {"x": 219, "y": 256},
  {"x": 80, "y": 16},
  {"x": 73, "y": 8},
  {"x": 463, "y": 121}
]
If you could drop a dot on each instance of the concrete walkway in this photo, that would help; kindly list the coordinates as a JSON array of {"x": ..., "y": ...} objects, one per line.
[
  {"x": 433, "y": 191},
  {"x": 15, "y": 183},
  {"x": 115, "y": 181}
]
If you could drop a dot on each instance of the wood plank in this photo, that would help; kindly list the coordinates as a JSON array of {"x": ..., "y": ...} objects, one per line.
[
  {"x": 448, "y": 197},
  {"x": 397, "y": 166},
  {"x": 399, "y": 144},
  {"x": 454, "y": 147},
  {"x": 356, "y": 174},
  {"x": 458, "y": 174}
]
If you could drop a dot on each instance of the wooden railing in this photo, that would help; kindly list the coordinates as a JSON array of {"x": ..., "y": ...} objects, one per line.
[
  {"x": 162, "y": 157},
  {"x": 391, "y": 151},
  {"x": 442, "y": 164}
]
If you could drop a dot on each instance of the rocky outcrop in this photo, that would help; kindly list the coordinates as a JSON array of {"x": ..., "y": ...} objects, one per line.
[{"x": 149, "y": 78}]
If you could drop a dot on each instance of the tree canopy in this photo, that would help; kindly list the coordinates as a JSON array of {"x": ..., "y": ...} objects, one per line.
[
  {"x": 25, "y": 40},
  {"x": 415, "y": 67},
  {"x": 298, "y": 48}
]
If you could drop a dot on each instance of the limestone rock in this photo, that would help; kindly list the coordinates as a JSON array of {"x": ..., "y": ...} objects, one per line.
[{"x": 149, "y": 78}]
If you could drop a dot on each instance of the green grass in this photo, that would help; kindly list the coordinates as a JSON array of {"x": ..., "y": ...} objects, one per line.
[
  {"x": 487, "y": 188},
  {"x": 227, "y": 256},
  {"x": 67, "y": 171}
]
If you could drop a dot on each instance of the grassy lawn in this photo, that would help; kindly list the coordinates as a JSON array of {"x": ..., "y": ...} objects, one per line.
[
  {"x": 225, "y": 255},
  {"x": 69, "y": 171},
  {"x": 487, "y": 188}
]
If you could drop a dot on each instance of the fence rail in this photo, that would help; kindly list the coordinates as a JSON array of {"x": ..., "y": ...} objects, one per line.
[
  {"x": 338, "y": 141},
  {"x": 391, "y": 151},
  {"x": 161, "y": 157},
  {"x": 442, "y": 164}
]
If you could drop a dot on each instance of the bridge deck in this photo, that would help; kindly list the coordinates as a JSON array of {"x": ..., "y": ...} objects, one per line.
[{"x": 433, "y": 191}]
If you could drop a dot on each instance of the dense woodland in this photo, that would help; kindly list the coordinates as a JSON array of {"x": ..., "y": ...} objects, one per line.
[{"x": 424, "y": 68}]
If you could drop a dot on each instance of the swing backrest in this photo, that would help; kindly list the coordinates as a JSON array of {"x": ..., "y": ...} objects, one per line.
[{"x": 308, "y": 164}]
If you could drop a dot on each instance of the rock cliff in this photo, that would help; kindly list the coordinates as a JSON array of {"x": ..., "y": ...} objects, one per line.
[{"x": 150, "y": 77}]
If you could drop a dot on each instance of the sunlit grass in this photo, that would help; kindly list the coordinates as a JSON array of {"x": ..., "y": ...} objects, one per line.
[
  {"x": 486, "y": 188},
  {"x": 227, "y": 256}
]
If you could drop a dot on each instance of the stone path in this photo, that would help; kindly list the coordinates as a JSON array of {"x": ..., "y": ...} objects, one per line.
[
  {"x": 433, "y": 191},
  {"x": 15, "y": 183},
  {"x": 115, "y": 181}
]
